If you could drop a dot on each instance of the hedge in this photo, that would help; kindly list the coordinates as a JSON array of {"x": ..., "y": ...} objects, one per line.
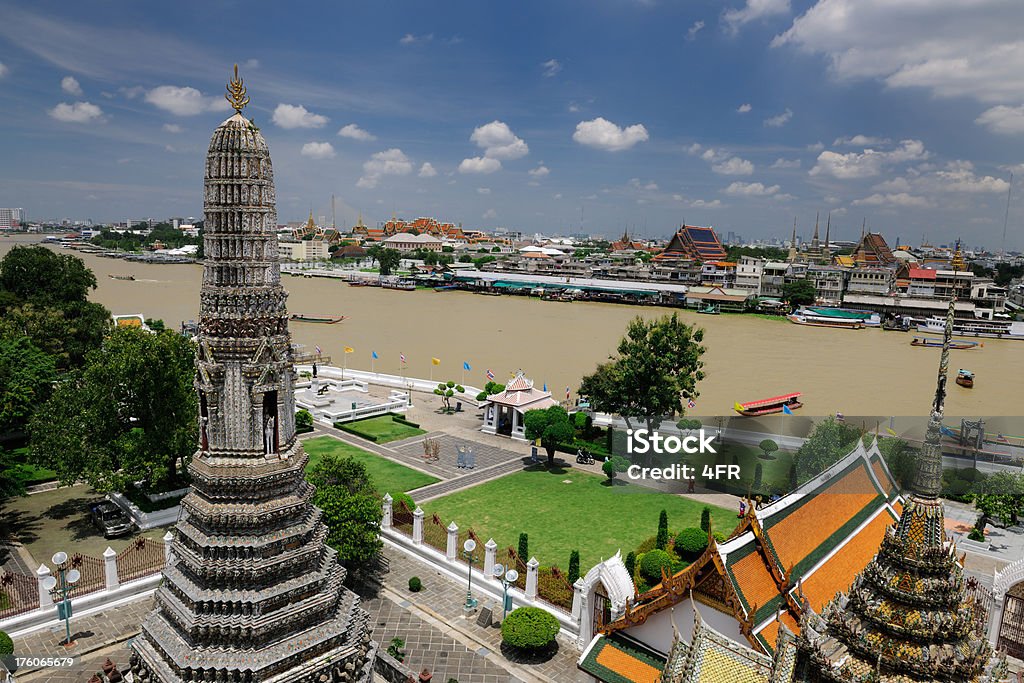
[
  {"x": 343, "y": 426},
  {"x": 401, "y": 420},
  {"x": 529, "y": 628},
  {"x": 691, "y": 542},
  {"x": 652, "y": 563}
]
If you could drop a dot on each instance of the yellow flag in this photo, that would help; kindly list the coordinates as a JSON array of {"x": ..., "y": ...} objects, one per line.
[
  {"x": 435, "y": 361},
  {"x": 892, "y": 432},
  {"x": 349, "y": 349},
  {"x": 737, "y": 406}
]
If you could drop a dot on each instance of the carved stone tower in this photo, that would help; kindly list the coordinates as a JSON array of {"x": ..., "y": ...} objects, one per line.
[{"x": 251, "y": 594}]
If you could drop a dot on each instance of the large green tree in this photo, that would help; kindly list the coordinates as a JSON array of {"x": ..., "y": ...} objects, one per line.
[
  {"x": 128, "y": 415},
  {"x": 352, "y": 509},
  {"x": 388, "y": 260},
  {"x": 26, "y": 379},
  {"x": 35, "y": 273},
  {"x": 658, "y": 364},
  {"x": 799, "y": 292},
  {"x": 552, "y": 426},
  {"x": 827, "y": 444}
]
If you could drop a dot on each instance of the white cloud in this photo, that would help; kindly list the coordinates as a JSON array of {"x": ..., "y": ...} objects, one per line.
[
  {"x": 573, "y": 107},
  {"x": 754, "y": 9},
  {"x": 427, "y": 170},
  {"x": 691, "y": 33},
  {"x": 604, "y": 134},
  {"x": 296, "y": 116},
  {"x": 252, "y": 64},
  {"x": 172, "y": 128},
  {"x": 180, "y": 101},
  {"x": 389, "y": 162},
  {"x": 898, "y": 184},
  {"x": 70, "y": 85},
  {"x": 705, "y": 204},
  {"x": 786, "y": 163},
  {"x": 859, "y": 141},
  {"x": 540, "y": 171},
  {"x": 867, "y": 163},
  {"x": 356, "y": 133},
  {"x": 551, "y": 68},
  {"x": 733, "y": 166},
  {"x": 4, "y": 70},
  {"x": 899, "y": 199},
  {"x": 779, "y": 120},
  {"x": 479, "y": 165},
  {"x": 751, "y": 189},
  {"x": 79, "y": 112},
  {"x": 170, "y": 148},
  {"x": 649, "y": 186},
  {"x": 816, "y": 147},
  {"x": 410, "y": 39},
  {"x": 959, "y": 176},
  {"x": 951, "y": 48},
  {"x": 132, "y": 92},
  {"x": 1003, "y": 119},
  {"x": 744, "y": 108},
  {"x": 483, "y": 190},
  {"x": 498, "y": 141},
  {"x": 318, "y": 150},
  {"x": 490, "y": 213}
]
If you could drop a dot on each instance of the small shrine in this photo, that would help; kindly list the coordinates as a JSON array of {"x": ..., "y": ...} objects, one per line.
[{"x": 505, "y": 410}]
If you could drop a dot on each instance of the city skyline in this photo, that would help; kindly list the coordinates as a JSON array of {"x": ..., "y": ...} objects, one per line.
[{"x": 628, "y": 115}]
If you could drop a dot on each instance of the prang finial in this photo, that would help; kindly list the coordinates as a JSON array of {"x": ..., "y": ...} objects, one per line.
[{"x": 236, "y": 93}]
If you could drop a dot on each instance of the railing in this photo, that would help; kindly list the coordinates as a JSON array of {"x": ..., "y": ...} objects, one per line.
[
  {"x": 18, "y": 594},
  {"x": 143, "y": 557},
  {"x": 93, "y": 575}
]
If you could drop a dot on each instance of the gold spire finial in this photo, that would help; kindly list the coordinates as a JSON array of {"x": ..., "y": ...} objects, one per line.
[{"x": 236, "y": 93}]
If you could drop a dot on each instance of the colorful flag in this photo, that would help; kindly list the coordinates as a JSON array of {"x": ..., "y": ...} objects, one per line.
[
  {"x": 786, "y": 410},
  {"x": 567, "y": 393},
  {"x": 401, "y": 357},
  {"x": 490, "y": 375},
  {"x": 465, "y": 366},
  {"x": 690, "y": 404},
  {"x": 349, "y": 349},
  {"x": 738, "y": 407},
  {"x": 435, "y": 361},
  {"x": 946, "y": 431},
  {"x": 318, "y": 350},
  {"x": 373, "y": 354},
  {"x": 545, "y": 386},
  {"x": 1000, "y": 437},
  {"x": 892, "y": 432}
]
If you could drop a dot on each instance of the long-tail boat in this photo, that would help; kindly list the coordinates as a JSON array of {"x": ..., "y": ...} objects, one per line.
[
  {"x": 316, "y": 319},
  {"x": 936, "y": 343},
  {"x": 965, "y": 378},
  {"x": 769, "y": 406}
]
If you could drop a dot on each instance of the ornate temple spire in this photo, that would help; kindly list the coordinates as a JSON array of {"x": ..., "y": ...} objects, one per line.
[
  {"x": 236, "y": 96},
  {"x": 928, "y": 482},
  {"x": 958, "y": 259},
  {"x": 828, "y": 227},
  {"x": 792, "y": 242},
  {"x": 815, "y": 242}
]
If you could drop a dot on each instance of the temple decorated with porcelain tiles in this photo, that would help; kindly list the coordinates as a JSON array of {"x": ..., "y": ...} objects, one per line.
[{"x": 843, "y": 580}]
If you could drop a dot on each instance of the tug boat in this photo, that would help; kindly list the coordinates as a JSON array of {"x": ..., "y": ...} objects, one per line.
[
  {"x": 315, "y": 319},
  {"x": 935, "y": 343},
  {"x": 965, "y": 378},
  {"x": 769, "y": 406}
]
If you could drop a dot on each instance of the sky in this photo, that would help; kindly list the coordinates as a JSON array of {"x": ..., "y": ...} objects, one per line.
[{"x": 553, "y": 116}]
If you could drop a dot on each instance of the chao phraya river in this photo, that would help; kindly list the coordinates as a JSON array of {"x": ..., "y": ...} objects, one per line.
[{"x": 857, "y": 372}]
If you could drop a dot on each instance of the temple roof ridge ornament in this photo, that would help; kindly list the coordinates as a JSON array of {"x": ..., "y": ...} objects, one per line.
[{"x": 236, "y": 96}]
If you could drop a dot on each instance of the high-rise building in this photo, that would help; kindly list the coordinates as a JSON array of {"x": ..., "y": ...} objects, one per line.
[
  {"x": 251, "y": 593},
  {"x": 11, "y": 219}
]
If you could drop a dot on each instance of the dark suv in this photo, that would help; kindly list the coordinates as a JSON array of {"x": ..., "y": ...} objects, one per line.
[{"x": 110, "y": 519}]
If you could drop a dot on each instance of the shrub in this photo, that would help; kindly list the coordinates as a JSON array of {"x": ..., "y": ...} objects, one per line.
[
  {"x": 767, "y": 448},
  {"x": 574, "y": 566},
  {"x": 6, "y": 644},
  {"x": 652, "y": 563},
  {"x": 620, "y": 463},
  {"x": 303, "y": 418},
  {"x": 582, "y": 422},
  {"x": 608, "y": 467},
  {"x": 719, "y": 536},
  {"x": 398, "y": 498},
  {"x": 691, "y": 542},
  {"x": 758, "y": 473},
  {"x": 630, "y": 563},
  {"x": 705, "y": 518},
  {"x": 976, "y": 534},
  {"x": 524, "y": 547},
  {"x": 415, "y": 585},
  {"x": 661, "y": 541},
  {"x": 529, "y": 628},
  {"x": 395, "y": 649}
]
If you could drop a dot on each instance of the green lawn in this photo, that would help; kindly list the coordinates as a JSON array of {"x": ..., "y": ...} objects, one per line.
[
  {"x": 774, "y": 472},
  {"x": 28, "y": 473},
  {"x": 386, "y": 475},
  {"x": 564, "y": 510},
  {"x": 382, "y": 429}
]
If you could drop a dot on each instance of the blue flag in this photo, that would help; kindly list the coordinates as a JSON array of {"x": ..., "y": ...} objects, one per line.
[
  {"x": 374, "y": 354},
  {"x": 947, "y": 431},
  {"x": 545, "y": 386},
  {"x": 465, "y": 366},
  {"x": 786, "y": 410}
]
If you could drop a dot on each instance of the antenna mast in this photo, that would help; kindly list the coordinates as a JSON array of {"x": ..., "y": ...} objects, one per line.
[
  {"x": 1006, "y": 219},
  {"x": 334, "y": 224}
]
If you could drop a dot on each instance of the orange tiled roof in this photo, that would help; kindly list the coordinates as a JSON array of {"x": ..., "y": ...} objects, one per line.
[
  {"x": 837, "y": 573},
  {"x": 627, "y": 666},
  {"x": 882, "y": 477},
  {"x": 754, "y": 581},
  {"x": 770, "y": 633}
]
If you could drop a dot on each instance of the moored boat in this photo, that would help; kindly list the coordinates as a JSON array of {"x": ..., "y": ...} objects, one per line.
[
  {"x": 315, "y": 319},
  {"x": 965, "y": 378},
  {"x": 402, "y": 284},
  {"x": 993, "y": 329},
  {"x": 806, "y": 316},
  {"x": 935, "y": 343},
  {"x": 769, "y": 406},
  {"x": 710, "y": 309}
]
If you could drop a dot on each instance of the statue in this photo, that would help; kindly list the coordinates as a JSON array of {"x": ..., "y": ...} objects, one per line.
[{"x": 268, "y": 436}]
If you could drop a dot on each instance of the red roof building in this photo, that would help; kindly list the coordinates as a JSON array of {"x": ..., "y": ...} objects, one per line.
[{"x": 695, "y": 244}]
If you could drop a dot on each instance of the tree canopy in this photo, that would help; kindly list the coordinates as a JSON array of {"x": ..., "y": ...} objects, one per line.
[
  {"x": 799, "y": 292},
  {"x": 658, "y": 364},
  {"x": 128, "y": 415},
  {"x": 26, "y": 379},
  {"x": 830, "y": 441},
  {"x": 552, "y": 426},
  {"x": 35, "y": 273},
  {"x": 352, "y": 509}
]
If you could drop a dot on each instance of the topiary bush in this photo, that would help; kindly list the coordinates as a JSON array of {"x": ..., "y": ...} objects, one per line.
[
  {"x": 398, "y": 498},
  {"x": 415, "y": 585},
  {"x": 976, "y": 534},
  {"x": 652, "y": 563},
  {"x": 6, "y": 644},
  {"x": 630, "y": 563},
  {"x": 529, "y": 628},
  {"x": 690, "y": 543}
]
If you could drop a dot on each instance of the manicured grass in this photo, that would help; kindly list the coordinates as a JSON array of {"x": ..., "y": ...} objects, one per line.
[
  {"x": 383, "y": 429},
  {"x": 387, "y": 476},
  {"x": 28, "y": 473},
  {"x": 567, "y": 509}
]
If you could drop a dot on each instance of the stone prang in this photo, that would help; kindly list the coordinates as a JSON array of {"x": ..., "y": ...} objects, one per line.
[{"x": 251, "y": 592}]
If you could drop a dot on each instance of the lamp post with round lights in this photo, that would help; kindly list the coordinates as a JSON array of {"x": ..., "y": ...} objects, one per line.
[
  {"x": 60, "y": 588},
  {"x": 467, "y": 551},
  {"x": 507, "y": 579}
]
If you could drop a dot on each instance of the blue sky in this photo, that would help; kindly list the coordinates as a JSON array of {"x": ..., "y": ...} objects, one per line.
[{"x": 537, "y": 116}]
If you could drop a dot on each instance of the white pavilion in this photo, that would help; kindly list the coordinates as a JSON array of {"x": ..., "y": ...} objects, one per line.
[{"x": 504, "y": 412}]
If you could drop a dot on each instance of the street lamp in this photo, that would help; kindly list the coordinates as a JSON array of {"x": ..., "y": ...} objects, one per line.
[
  {"x": 468, "y": 547},
  {"x": 61, "y": 588},
  {"x": 509, "y": 578}
]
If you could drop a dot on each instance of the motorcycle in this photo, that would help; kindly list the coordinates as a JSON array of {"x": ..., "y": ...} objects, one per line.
[{"x": 584, "y": 458}]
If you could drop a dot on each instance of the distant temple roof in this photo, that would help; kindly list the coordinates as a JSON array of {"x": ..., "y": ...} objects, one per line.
[
  {"x": 872, "y": 250},
  {"x": 695, "y": 243}
]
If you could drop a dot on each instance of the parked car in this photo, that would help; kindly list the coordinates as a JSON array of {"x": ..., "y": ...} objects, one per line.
[{"x": 110, "y": 519}]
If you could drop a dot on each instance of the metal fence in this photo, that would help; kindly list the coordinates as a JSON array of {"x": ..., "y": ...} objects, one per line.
[
  {"x": 142, "y": 557},
  {"x": 18, "y": 593}
]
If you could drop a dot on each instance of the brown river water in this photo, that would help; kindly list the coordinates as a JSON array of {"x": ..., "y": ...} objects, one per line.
[{"x": 857, "y": 372}]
